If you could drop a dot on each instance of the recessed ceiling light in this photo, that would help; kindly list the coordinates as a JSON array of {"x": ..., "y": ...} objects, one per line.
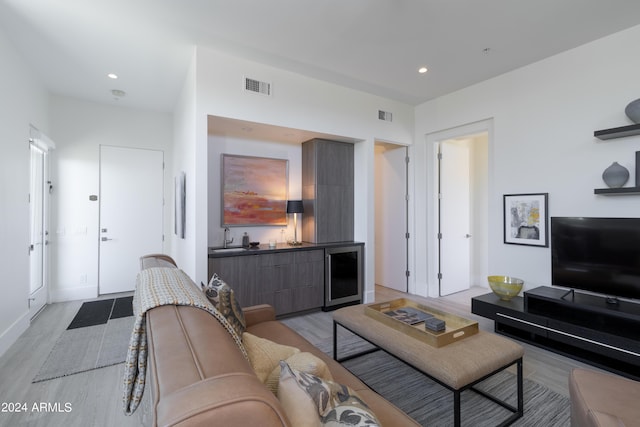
[
  {"x": 422, "y": 70},
  {"x": 112, "y": 76}
]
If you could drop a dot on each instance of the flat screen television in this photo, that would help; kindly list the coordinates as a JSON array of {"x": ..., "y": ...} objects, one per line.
[{"x": 600, "y": 255}]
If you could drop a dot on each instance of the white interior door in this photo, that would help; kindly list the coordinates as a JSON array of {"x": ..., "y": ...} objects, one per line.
[
  {"x": 38, "y": 231},
  {"x": 391, "y": 216},
  {"x": 455, "y": 247},
  {"x": 131, "y": 213}
]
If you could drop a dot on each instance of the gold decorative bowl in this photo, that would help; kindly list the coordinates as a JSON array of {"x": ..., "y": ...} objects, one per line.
[{"x": 505, "y": 287}]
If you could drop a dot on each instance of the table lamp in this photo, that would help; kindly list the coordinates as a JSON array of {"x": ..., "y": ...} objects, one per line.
[{"x": 295, "y": 207}]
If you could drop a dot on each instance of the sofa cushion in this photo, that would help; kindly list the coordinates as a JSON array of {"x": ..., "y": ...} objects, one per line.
[
  {"x": 223, "y": 299},
  {"x": 303, "y": 362},
  {"x": 265, "y": 355},
  {"x": 312, "y": 401}
]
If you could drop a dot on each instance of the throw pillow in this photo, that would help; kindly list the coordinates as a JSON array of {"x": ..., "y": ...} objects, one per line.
[
  {"x": 265, "y": 355},
  {"x": 304, "y": 362},
  {"x": 223, "y": 299},
  {"x": 311, "y": 401}
]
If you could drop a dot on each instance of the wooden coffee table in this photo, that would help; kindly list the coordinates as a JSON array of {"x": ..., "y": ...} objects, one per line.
[{"x": 458, "y": 366}]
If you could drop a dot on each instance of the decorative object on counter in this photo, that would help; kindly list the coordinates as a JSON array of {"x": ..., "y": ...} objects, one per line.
[
  {"x": 615, "y": 176},
  {"x": 526, "y": 219},
  {"x": 295, "y": 207},
  {"x": 633, "y": 111},
  {"x": 505, "y": 287},
  {"x": 254, "y": 244},
  {"x": 245, "y": 240},
  {"x": 272, "y": 243},
  {"x": 254, "y": 190}
]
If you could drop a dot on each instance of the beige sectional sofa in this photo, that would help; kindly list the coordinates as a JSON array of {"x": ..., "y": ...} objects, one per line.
[{"x": 197, "y": 375}]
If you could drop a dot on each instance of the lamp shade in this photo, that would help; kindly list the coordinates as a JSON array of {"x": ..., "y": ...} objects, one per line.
[{"x": 294, "y": 206}]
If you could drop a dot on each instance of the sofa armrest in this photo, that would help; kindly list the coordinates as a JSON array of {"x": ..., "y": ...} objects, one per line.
[
  {"x": 225, "y": 400},
  {"x": 156, "y": 260},
  {"x": 258, "y": 313}
]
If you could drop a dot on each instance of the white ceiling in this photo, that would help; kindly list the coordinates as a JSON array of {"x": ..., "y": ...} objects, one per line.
[{"x": 370, "y": 45}]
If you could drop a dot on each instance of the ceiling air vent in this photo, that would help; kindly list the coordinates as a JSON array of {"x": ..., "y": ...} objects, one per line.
[
  {"x": 385, "y": 115},
  {"x": 256, "y": 86}
]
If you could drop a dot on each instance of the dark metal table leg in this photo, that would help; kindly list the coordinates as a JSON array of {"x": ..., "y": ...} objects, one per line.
[
  {"x": 456, "y": 408},
  {"x": 335, "y": 340}
]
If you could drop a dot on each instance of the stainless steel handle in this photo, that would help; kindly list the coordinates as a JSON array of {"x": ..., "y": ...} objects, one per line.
[
  {"x": 104, "y": 239},
  {"x": 467, "y": 235}
]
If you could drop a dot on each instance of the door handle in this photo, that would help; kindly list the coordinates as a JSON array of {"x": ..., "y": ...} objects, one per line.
[
  {"x": 104, "y": 239},
  {"x": 467, "y": 236}
]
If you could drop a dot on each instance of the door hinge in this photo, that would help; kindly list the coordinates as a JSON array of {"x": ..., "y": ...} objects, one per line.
[
  {"x": 439, "y": 236},
  {"x": 406, "y": 160},
  {"x": 406, "y": 197},
  {"x": 407, "y": 273},
  {"x": 439, "y": 276},
  {"x": 407, "y": 235},
  {"x": 163, "y": 237},
  {"x": 439, "y": 156}
]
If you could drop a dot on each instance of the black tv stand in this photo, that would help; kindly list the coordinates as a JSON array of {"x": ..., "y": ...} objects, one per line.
[
  {"x": 612, "y": 301},
  {"x": 585, "y": 327},
  {"x": 571, "y": 292}
]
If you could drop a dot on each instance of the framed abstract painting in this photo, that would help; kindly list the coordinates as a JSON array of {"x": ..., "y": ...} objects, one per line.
[
  {"x": 254, "y": 190},
  {"x": 526, "y": 219}
]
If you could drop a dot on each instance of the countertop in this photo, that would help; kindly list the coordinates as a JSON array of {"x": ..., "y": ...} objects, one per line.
[{"x": 280, "y": 247}]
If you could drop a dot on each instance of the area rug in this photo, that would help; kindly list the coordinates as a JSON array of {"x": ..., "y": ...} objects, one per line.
[
  {"x": 98, "y": 336},
  {"x": 430, "y": 404}
]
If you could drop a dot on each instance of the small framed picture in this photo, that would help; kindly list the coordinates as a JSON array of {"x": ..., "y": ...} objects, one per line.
[{"x": 526, "y": 219}]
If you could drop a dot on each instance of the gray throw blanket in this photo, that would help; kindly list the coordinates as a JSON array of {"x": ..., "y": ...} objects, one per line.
[{"x": 155, "y": 287}]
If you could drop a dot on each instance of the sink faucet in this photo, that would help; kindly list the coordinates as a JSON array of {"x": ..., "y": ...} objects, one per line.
[{"x": 225, "y": 240}]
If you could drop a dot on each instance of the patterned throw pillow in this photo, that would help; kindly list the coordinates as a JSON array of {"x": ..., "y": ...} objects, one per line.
[
  {"x": 304, "y": 362},
  {"x": 265, "y": 355},
  {"x": 311, "y": 401},
  {"x": 223, "y": 299}
]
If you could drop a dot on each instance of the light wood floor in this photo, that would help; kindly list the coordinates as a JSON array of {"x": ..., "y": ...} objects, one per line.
[{"x": 95, "y": 396}]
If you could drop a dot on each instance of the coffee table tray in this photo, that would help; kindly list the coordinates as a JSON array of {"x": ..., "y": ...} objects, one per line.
[{"x": 456, "y": 329}]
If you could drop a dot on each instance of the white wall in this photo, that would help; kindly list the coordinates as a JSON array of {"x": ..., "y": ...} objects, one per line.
[
  {"x": 79, "y": 128},
  {"x": 184, "y": 160},
  {"x": 219, "y": 145},
  {"x": 301, "y": 103},
  {"x": 544, "y": 116},
  {"x": 24, "y": 101}
]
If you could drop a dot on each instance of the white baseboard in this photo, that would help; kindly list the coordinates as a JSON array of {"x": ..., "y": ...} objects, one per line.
[
  {"x": 73, "y": 294},
  {"x": 11, "y": 335},
  {"x": 369, "y": 296}
]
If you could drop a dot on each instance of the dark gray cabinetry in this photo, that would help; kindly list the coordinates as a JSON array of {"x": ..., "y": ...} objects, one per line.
[
  {"x": 241, "y": 274},
  {"x": 327, "y": 191},
  {"x": 308, "y": 286},
  {"x": 289, "y": 281},
  {"x": 276, "y": 277}
]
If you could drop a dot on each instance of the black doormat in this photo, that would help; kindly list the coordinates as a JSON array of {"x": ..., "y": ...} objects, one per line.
[
  {"x": 94, "y": 313},
  {"x": 122, "y": 307}
]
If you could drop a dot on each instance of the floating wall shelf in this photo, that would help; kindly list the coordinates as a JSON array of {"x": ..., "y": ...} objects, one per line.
[
  {"x": 617, "y": 191},
  {"x": 619, "y": 132}
]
